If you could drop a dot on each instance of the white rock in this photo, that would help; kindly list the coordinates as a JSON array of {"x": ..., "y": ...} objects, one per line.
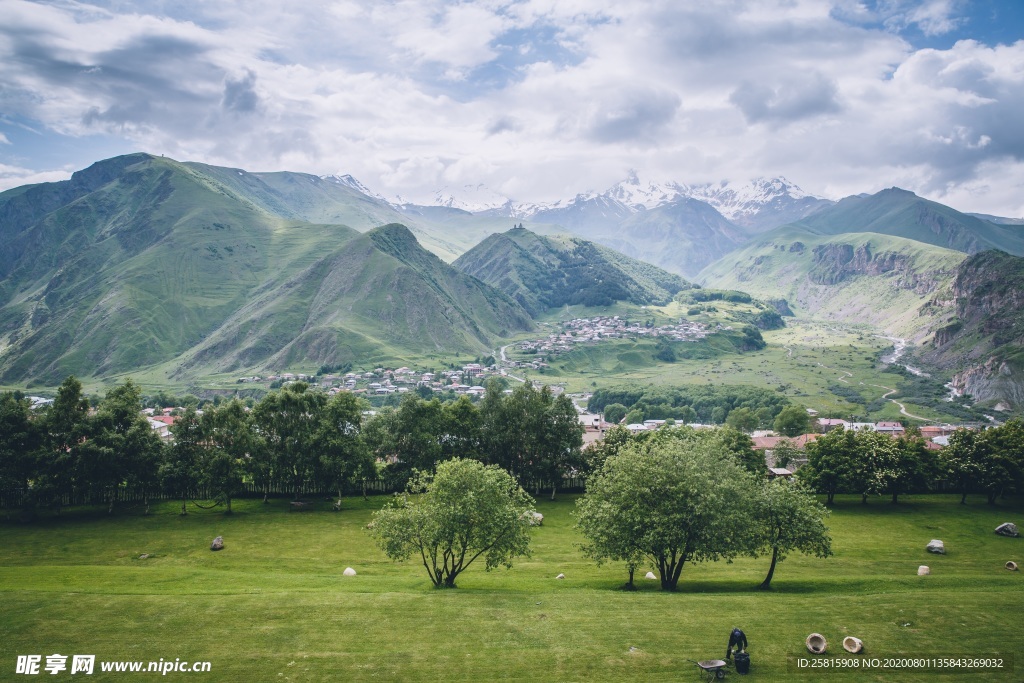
[
  {"x": 1008, "y": 529},
  {"x": 651, "y": 576},
  {"x": 533, "y": 518},
  {"x": 349, "y": 571},
  {"x": 936, "y": 546},
  {"x": 560, "y": 576},
  {"x": 923, "y": 570}
]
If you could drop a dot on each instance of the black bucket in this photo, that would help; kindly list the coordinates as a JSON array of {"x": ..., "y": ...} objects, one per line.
[{"x": 742, "y": 661}]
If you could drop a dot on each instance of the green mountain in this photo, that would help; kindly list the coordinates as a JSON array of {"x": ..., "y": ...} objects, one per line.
[
  {"x": 983, "y": 340},
  {"x": 901, "y": 213},
  {"x": 544, "y": 272},
  {"x": 143, "y": 261},
  {"x": 858, "y": 277}
]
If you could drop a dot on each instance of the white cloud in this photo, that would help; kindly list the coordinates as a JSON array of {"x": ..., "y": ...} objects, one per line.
[{"x": 541, "y": 98}]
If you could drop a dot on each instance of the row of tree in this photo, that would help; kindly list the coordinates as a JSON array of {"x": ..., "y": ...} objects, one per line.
[
  {"x": 293, "y": 439},
  {"x": 870, "y": 463}
]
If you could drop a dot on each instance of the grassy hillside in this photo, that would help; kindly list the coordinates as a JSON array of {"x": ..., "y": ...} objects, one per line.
[
  {"x": 543, "y": 272},
  {"x": 903, "y": 214},
  {"x": 858, "y": 277},
  {"x": 152, "y": 262}
]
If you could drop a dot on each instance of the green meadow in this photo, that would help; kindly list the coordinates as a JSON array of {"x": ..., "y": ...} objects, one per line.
[{"x": 274, "y": 605}]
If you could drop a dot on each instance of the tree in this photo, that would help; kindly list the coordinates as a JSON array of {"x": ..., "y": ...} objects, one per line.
[
  {"x": 635, "y": 416},
  {"x": 460, "y": 430},
  {"x": 742, "y": 419},
  {"x": 792, "y": 421},
  {"x": 831, "y": 462},
  {"x": 180, "y": 470},
  {"x": 466, "y": 510},
  {"x": 788, "y": 519},
  {"x": 231, "y": 442},
  {"x": 742, "y": 448},
  {"x": 531, "y": 433},
  {"x": 288, "y": 420},
  {"x": 671, "y": 500},
  {"x": 596, "y": 452},
  {"x": 66, "y": 428},
  {"x": 559, "y": 439},
  {"x": 20, "y": 439},
  {"x": 122, "y": 447},
  {"x": 963, "y": 461},
  {"x": 1001, "y": 453},
  {"x": 343, "y": 455},
  {"x": 614, "y": 413}
]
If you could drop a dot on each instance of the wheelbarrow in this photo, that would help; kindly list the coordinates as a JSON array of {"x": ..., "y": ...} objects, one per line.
[{"x": 712, "y": 669}]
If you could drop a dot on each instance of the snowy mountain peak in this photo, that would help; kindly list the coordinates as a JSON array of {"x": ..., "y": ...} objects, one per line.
[
  {"x": 353, "y": 184},
  {"x": 472, "y": 198},
  {"x": 639, "y": 195},
  {"x": 738, "y": 202}
]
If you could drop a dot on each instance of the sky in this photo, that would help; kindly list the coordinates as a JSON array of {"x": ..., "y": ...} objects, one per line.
[{"x": 538, "y": 100}]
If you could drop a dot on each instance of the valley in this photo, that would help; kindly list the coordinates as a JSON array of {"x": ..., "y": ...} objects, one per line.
[{"x": 187, "y": 277}]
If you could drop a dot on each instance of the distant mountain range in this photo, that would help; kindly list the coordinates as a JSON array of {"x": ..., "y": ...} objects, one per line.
[{"x": 190, "y": 269}]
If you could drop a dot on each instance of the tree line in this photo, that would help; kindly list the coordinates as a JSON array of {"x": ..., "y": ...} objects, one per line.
[
  {"x": 990, "y": 462},
  {"x": 292, "y": 439}
]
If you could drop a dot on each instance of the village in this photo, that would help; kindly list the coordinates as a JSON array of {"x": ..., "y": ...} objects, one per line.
[
  {"x": 586, "y": 330},
  {"x": 469, "y": 380}
]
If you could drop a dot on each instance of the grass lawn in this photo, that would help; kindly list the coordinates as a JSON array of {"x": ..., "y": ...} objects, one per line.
[{"x": 274, "y": 606}]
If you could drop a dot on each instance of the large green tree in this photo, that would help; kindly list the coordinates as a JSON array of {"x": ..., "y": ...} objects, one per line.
[
  {"x": 449, "y": 519},
  {"x": 231, "y": 441},
  {"x": 343, "y": 454},
  {"x": 831, "y": 463},
  {"x": 66, "y": 430},
  {"x": 288, "y": 421},
  {"x": 122, "y": 448},
  {"x": 792, "y": 421},
  {"x": 1001, "y": 454},
  {"x": 671, "y": 500},
  {"x": 789, "y": 519},
  {"x": 20, "y": 440},
  {"x": 181, "y": 469}
]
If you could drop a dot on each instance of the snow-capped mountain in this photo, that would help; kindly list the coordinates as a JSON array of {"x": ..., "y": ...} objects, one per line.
[
  {"x": 758, "y": 205},
  {"x": 639, "y": 195},
  {"x": 472, "y": 198},
  {"x": 761, "y": 204},
  {"x": 352, "y": 183}
]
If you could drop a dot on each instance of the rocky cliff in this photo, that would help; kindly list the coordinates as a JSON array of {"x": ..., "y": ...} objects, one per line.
[
  {"x": 984, "y": 342},
  {"x": 836, "y": 262}
]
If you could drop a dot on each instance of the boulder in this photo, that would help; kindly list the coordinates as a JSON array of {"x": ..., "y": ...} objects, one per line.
[
  {"x": 1008, "y": 529},
  {"x": 349, "y": 571},
  {"x": 936, "y": 546},
  {"x": 854, "y": 645},
  {"x": 816, "y": 643},
  {"x": 535, "y": 518},
  {"x": 218, "y": 543},
  {"x": 1011, "y": 565},
  {"x": 144, "y": 556},
  {"x": 651, "y": 576},
  {"x": 923, "y": 570},
  {"x": 560, "y": 576}
]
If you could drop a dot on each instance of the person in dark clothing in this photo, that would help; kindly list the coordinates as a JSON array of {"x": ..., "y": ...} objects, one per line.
[{"x": 738, "y": 640}]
